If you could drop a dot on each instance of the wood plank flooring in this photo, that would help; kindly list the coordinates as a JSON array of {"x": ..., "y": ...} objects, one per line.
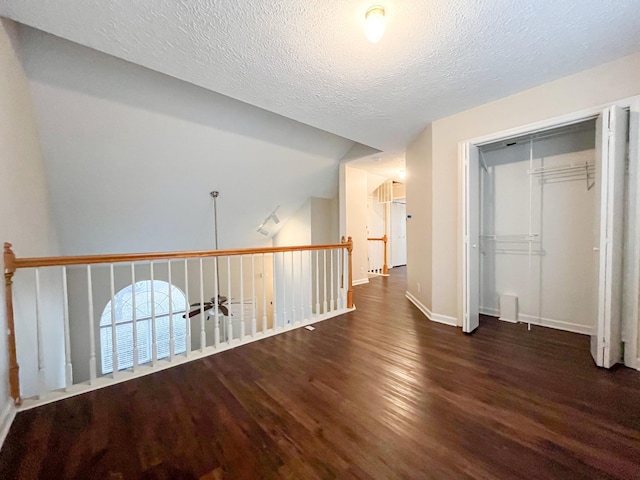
[{"x": 379, "y": 393}]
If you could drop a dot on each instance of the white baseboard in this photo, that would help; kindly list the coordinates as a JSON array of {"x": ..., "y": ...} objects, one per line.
[
  {"x": 494, "y": 312},
  {"x": 434, "y": 317},
  {"x": 360, "y": 281},
  {"x": 7, "y": 415},
  {"x": 425, "y": 311},
  {"x": 543, "y": 322},
  {"x": 557, "y": 324}
]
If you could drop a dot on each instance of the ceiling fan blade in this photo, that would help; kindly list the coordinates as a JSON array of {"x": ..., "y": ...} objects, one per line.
[
  {"x": 193, "y": 313},
  {"x": 224, "y": 310}
]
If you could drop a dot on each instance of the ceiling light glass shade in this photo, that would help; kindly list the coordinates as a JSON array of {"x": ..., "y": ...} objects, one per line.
[{"x": 374, "y": 24}]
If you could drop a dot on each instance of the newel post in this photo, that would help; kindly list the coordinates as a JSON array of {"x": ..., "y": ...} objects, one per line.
[
  {"x": 9, "y": 270},
  {"x": 349, "y": 245},
  {"x": 385, "y": 269}
]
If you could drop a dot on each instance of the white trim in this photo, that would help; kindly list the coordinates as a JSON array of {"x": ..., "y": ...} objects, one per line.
[
  {"x": 434, "y": 317},
  {"x": 632, "y": 273},
  {"x": 557, "y": 324},
  {"x": 494, "y": 312},
  {"x": 361, "y": 281},
  {"x": 425, "y": 311},
  {"x": 7, "y": 415},
  {"x": 542, "y": 322},
  {"x": 124, "y": 375}
]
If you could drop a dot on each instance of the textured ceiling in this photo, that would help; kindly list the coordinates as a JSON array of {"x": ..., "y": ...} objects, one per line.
[{"x": 309, "y": 60}]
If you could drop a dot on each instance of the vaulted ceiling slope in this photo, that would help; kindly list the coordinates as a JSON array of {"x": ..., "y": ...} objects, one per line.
[
  {"x": 309, "y": 60},
  {"x": 131, "y": 155}
]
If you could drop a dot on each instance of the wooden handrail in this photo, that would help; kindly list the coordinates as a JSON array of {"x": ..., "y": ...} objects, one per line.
[
  {"x": 142, "y": 257},
  {"x": 385, "y": 268},
  {"x": 14, "y": 369}
]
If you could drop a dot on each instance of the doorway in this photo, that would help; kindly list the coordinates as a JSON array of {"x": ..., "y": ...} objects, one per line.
[{"x": 398, "y": 233}]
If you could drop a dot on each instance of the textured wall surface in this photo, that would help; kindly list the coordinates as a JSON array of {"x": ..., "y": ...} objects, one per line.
[{"x": 310, "y": 61}]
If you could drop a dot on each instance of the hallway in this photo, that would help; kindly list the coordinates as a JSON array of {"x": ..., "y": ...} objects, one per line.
[{"x": 378, "y": 393}]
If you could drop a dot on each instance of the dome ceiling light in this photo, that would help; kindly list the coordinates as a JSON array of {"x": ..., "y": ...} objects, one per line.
[{"x": 374, "y": 23}]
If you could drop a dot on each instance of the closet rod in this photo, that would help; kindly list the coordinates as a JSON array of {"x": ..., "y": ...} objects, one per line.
[{"x": 565, "y": 168}]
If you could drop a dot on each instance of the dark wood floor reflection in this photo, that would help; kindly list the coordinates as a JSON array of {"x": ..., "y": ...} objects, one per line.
[{"x": 379, "y": 393}]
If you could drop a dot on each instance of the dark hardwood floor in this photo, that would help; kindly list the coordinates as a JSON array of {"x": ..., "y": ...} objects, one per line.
[{"x": 378, "y": 393}]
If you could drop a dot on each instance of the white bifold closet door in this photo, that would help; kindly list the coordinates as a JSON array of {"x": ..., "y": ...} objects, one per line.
[
  {"x": 471, "y": 282},
  {"x": 611, "y": 138}
]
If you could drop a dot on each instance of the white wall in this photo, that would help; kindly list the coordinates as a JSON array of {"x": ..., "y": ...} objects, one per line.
[
  {"x": 324, "y": 221},
  {"x": 596, "y": 86},
  {"x": 356, "y": 220},
  {"x": 24, "y": 200},
  {"x": 419, "y": 227},
  {"x": 138, "y": 153}
]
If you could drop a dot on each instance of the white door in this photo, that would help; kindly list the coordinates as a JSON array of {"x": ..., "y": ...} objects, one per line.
[
  {"x": 471, "y": 264},
  {"x": 611, "y": 138},
  {"x": 398, "y": 234}
]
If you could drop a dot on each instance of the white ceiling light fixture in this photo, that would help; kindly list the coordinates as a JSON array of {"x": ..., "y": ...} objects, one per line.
[{"x": 374, "y": 23}]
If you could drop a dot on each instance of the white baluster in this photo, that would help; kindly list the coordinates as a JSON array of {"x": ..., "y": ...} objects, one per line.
[
  {"x": 216, "y": 313},
  {"x": 264, "y": 297},
  {"x": 114, "y": 331},
  {"x": 339, "y": 305},
  {"x": 284, "y": 292},
  {"x": 134, "y": 318},
  {"x": 317, "y": 284},
  {"x": 301, "y": 291},
  {"x": 229, "y": 324},
  {"x": 275, "y": 288},
  {"x": 172, "y": 341},
  {"x": 253, "y": 296},
  {"x": 241, "y": 298},
  {"x": 309, "y": 255},
  {"x": 186, "y": 313},
  {"x": 332, "y": 303},
  {"x": 293, "y": 292},
  {"x": 154, "y": 348},
  {"x": 92, "y": 333},
  {"x": 324, "y": 282},
  {"x": 203, "y": 333},
  {"x": 68, "y": 368},
  {"x": 41, "y": 366}
]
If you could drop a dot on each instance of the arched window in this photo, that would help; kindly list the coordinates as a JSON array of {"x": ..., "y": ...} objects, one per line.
[{"x": 144, "y": 309}]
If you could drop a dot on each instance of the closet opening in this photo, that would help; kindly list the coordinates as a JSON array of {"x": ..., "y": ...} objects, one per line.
[
  {"x": 537, "y": 217},
  {"x": 550, "y": 230}
]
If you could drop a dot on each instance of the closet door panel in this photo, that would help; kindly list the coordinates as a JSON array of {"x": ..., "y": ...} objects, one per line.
[
  {"x": 612, "y": 134},
  {"x": 471, "y": 276}
]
